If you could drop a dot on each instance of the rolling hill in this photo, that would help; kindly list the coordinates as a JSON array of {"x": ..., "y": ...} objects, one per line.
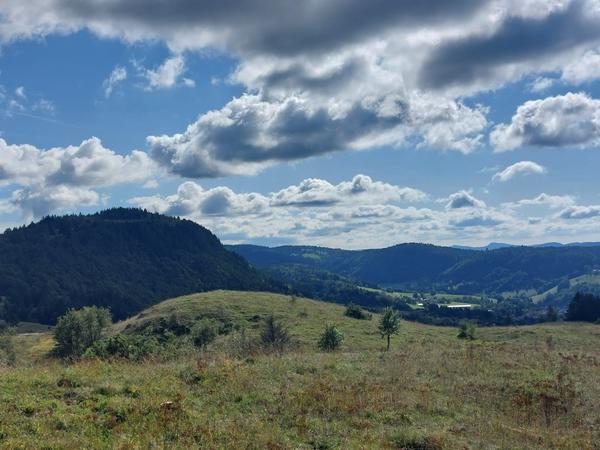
[{"x": 125, "y": 259}]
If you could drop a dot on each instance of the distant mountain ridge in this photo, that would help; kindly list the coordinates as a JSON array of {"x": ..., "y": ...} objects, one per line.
[
  {"x": 125, "y": 259},
  {"x": 428, "y": 267},
  {"x": 498, "y": 245}
]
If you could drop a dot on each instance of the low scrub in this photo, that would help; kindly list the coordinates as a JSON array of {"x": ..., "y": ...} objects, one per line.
[{"x": 356, "y": 312}]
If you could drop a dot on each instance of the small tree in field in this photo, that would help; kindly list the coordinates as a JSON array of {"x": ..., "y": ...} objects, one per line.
[
  {"x": 78, "y": 330},
  {"x": 331, "y": 339},
  {"x": 389, "y": 324},
  {"x": 466, "y": 331},
  {"x": 551, "y": 314}
]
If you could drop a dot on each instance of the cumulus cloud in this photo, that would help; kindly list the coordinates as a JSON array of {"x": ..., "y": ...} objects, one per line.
[
  {"x": 570, "y": 120},
  {"x": 118, "y": 75},
  {"x": 540, "y": 84},
  {"x": 315, "y": 192},
  {"x": 580, "y": 212},
  {"x": 88, "y": 164},
  {"x": 463, "y": 199},
  {"x": 519, "y": 168},
  {"x": 167, "y": 75},
  {"x": 357, "y": 213},
  {"x": 240, "y": 26},
  {"x": 335, "y": 75},
  {"x": 477, "y": 219},
  {"x": 552, "y": 201},
  {"x": 252, "y": 132},
  {"x": 192, "y": 200},
  {"x": 35, "y": 203},
  {"x": 484, "y": 55},
  {"x": 63, "y": 176},
  {"x": 584, "y": 69}
]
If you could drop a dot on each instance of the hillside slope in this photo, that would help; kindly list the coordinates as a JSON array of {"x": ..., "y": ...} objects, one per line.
[
  {"x": 125, "y": 259},
  {"x": 533, "y": 387},
  {"x": 304, "y": 317}
]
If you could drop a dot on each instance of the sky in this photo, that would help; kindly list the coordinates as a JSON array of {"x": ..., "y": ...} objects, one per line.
[{"x": 343, "y": 123}]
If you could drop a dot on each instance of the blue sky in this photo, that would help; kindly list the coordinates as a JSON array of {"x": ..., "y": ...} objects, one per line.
[{"x": 333, "y": 125}]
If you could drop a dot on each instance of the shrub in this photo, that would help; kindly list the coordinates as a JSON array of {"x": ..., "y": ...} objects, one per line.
[
  {"x": 331, "y": 339},
  {"x": 466, "y": 330},
  {"x": 78, "y": 330},
  {"x": 203, "y": 333},
  {"x": 8, "y": 355},
  {"x": 356, "y": 312},
  {"x": 274, "y": 336},
  {"x": 134, "y": 347}
]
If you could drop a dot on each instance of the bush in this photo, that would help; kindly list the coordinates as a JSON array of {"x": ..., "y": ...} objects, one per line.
[
  {"x": 331, "y": 339},
  {"x": 8, "y": 355},
  {"x": 466, "y": 331},
  {"x": 134, "y": 347},
  {"x": 274, "y": 336},
  {"x": 356, "y": 312},
  {"x": 203, "y": 333},
  {"x": 78, "y": 330}
]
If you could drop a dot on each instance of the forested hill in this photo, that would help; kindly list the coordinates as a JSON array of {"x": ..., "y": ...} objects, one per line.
[
  {"x": 126, "y": 259},
  {"x": 428, "y": 267}
]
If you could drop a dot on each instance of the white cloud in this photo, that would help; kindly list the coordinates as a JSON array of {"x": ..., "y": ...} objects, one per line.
[
  {"x": 519, "y": 168},
  {"x": 359, "y": 213},
  {"x": 20, "y": 92},
  {"x": 167, "y": 74},
  {"x": 552, "y": 201},
  {"x": 316, "y": 192},
  {"x": 253, "y": 132},
  {"x": 463, "y": 199},
  {"x": 192, "y": 199},
  {"x": 67, "y": 174},
  {"x": 117, "y": 76},
  {"x": 44, "y": 106},
  {"x": 583, "y": 69},
  {"x": 361, "y": 79},
  {"x": 35, "y": 203},
  {"x": 540, "y": 84},
  {"x": 570, "y": 120},
  {"x": 580, "y": 212}
]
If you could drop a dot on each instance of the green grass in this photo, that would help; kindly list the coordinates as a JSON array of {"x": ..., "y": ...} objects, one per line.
[
  {"x": 534, "y": 387},
  {"x": 32, "y": 327},
  {"x": 440, "y": 296}
]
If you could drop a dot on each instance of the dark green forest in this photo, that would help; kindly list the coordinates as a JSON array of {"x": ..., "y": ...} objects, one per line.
[{"x": 123, "y": 259}]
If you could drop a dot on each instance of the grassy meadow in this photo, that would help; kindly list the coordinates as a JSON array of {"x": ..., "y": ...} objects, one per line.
[{"x": 530, "y": 387}]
